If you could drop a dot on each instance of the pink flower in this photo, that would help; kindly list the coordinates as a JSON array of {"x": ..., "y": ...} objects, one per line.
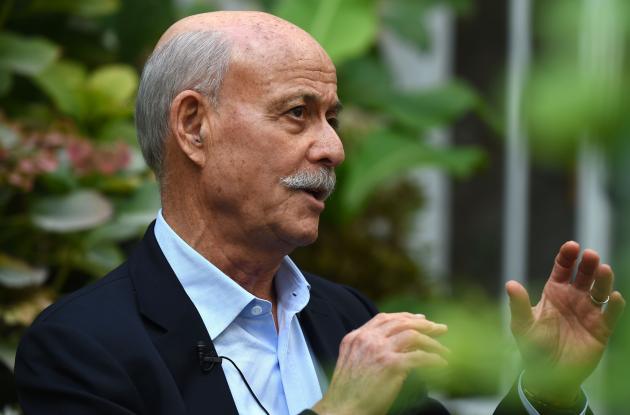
[
  {"x": 80, "y": 153},
  {"x": 46, "y": 161},
  {"x": 27, "y": 166}
]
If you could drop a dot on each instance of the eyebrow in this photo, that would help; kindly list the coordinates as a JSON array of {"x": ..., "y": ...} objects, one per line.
[{"x": 307, "y": 97}]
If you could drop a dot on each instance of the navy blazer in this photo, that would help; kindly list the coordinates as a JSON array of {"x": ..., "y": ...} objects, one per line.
[{"x": 127, "y": 344}]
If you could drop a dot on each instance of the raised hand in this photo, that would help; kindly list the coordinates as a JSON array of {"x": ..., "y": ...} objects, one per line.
[
  {"x": 375, "y": 359},
  {"x": 563, "y": 337}
]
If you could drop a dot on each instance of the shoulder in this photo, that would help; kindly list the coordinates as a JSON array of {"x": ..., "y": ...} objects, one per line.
[{"x": 104, "y": 310}]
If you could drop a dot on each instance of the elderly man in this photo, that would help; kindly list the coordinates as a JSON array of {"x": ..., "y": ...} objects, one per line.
[{"x": 237, "y": 115}]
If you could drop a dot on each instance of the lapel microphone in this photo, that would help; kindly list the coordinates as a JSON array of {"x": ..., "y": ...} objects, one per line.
[{"x": 208, "y": 359}]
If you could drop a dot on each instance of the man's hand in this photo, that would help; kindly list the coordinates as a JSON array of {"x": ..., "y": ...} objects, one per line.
[
  {"x": 375, "y": 359},
  {"x": 563, "y": 337}
]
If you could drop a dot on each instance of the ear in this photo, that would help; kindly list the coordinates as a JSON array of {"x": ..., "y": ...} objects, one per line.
[{"x": 188, "y": 123}]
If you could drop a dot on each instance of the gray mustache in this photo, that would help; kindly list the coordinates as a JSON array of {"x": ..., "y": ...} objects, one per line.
[{"x": 321, "y": 180}]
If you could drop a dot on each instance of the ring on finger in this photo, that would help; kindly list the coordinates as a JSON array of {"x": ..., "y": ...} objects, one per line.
[{"x": 597, "y": 302}]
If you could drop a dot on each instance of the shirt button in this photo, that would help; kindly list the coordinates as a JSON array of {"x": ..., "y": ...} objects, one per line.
[{"x": 257, "y": 310}]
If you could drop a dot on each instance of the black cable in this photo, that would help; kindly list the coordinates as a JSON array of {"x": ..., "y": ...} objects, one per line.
[{"x": 246, "y": 383}]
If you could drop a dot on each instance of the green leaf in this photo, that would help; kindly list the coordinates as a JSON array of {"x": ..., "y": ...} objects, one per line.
[
  {"x": 77, "y": 211},
  {"x": 5, "y": 82},
  {"x": 119, "y": 129},
  {"x": 100, "y": 259},
  {"x": 430, "y": 108},
  {"x": 15, "y": 273},
  {"x": 404, "y": 17},
  {"x": 64, "y": 83},
  {"x": 345, "y": 28},
  {"x": 367, "y": 83},
  {"x": 364, "y": 81},
  {"x": 140, "y": 23},
  {"x": 85, "y": 8},
  {"x": 562, "y": 103},
  {"x": 8, "y": 136},
  {"x": 385, "y": 155},
  {"x": 111, "y": 89},
  {"x": 26, "y": 56},
  {"x": 140, "y": 209},
  {"x": 268, "y": 4},
  {"x": 134, "y": 214}
]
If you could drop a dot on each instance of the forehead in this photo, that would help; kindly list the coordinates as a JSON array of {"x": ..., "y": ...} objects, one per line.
[{"x": 264, "y": 62}]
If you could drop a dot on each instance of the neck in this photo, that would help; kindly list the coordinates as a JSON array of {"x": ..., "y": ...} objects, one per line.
[{"x": 230, "y": 250}]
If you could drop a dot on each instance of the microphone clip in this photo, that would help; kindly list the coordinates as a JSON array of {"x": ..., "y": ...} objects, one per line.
[{"x": 206, "y": 358}]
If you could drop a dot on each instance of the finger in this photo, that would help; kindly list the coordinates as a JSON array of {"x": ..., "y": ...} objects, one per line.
[
  {"x": 421, "y": 325},
  {"x": 586, "y": 270},
  {"x": 420, "y": 358},
  {"x": 614, "y": 309},
  {"x": 563, "y": 265},
  {"x": 520, "y": 306},
  {"x": 410, "y": 340},
  {"x": 603, "y": 283},
  {"x": 384, "y": 320}
]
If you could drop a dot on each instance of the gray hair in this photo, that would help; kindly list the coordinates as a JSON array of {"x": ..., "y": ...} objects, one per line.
[{"x": 189, "y": 61}]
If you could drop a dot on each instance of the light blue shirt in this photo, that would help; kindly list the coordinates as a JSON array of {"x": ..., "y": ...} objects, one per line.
[{"x": 278, "y": 365}]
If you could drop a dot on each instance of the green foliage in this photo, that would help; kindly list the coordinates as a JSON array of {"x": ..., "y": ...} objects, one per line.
[
  {"x": 384, "y": 155},
  {"x": 366, "y": 82},
  {"x": 83, "y": 8},
  {"x": 103, "y": 95},
  {"x": 15, "y": 273},
  {"x": 345, "y": 28},
  {"x": 63, "y": 83},
  {"x": 404, "y": 17},
  {"x": 578, "y": 86},
  {"x": 23, "y": 56},
  {"x": 76, "y": 211},
  {"x": 71, "y": 176}
]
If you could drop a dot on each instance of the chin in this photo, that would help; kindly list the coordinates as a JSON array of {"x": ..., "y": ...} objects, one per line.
[
  {"x": 305, "y": 236},
  {"x": 308, "y": 240}
]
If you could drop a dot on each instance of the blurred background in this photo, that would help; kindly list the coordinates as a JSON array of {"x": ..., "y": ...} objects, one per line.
[{"x": 479, "y": 135}]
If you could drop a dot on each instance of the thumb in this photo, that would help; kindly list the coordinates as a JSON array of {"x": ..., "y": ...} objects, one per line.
[{"x": 520, "y": 306}]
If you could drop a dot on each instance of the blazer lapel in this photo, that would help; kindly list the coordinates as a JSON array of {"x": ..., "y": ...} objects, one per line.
[
  {"x": 176, "y": 328},
  {"x": 324, "y": 331}
]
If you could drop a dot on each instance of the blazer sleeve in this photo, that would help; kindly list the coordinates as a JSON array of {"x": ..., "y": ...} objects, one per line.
[
  {"x": 512, "y": 405},
  {"x": 59, "y": 370}
]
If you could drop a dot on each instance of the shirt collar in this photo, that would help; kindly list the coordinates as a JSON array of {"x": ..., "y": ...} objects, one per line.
[{"x": 218, "y": 299}]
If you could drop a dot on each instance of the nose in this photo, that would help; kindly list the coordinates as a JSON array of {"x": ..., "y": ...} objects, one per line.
[{"x": 327, "y": 148}]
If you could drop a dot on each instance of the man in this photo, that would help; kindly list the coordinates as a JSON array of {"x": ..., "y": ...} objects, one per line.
[{"x": 237, "y": 115}]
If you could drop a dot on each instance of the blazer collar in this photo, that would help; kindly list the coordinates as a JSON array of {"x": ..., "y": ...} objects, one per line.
[{"x": 176, "y": 328}]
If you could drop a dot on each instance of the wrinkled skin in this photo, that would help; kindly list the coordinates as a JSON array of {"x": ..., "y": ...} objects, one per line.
[{"x": 563, "y": 337}]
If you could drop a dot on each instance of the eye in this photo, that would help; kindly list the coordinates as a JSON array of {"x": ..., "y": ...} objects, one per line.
[
  {"x": 297, "y": 112},
  {"x": 334, "y": 122}
]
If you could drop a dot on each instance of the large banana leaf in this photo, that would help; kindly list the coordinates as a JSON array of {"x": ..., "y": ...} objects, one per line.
[
  {"x": 367, "y": 83},
  {"x": 345, "y": 28},
  {"x": 384, "y": 155}
]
